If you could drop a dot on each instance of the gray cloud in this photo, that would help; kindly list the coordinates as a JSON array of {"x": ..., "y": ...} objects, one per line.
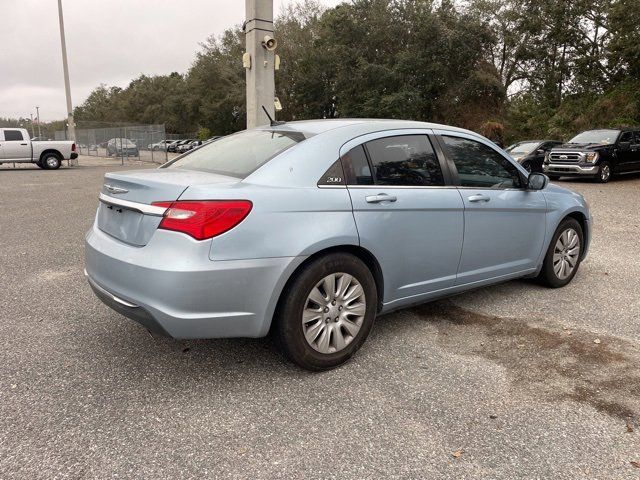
[{"x": 108, "y": 41}]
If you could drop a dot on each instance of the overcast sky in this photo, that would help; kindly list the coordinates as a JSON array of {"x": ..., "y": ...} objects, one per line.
[{"x": 108, "y": 41}]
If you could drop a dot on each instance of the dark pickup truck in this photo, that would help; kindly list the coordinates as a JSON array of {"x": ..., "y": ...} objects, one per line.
[{"x": 595, "y": 153}]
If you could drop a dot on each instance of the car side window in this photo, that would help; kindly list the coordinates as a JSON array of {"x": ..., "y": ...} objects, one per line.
[
  {"x": 356, "y": 167},
  {"x": 407, "y": 160},
  {"x": 333, "y": 176},
  {"x": 13, "y": 136},
  {"x": 480, "y": 166},
  {"x": 626, "y": 137},
  {"x": 637, "y": 139}
]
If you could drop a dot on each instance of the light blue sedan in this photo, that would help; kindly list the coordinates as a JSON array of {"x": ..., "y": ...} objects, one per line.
[{"x": 311, "y": 229}]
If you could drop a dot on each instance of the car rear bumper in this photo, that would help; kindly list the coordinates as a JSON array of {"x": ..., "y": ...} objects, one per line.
[
  {"x": 568, "y": 170},
  {"x": 171, "y": 287}
]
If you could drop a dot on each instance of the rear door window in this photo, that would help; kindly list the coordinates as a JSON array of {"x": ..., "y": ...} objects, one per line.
[
  {"x": 356, "y": 167},
  {"x": 238, "y": 155},
  {"x": 407, "y": 160}
]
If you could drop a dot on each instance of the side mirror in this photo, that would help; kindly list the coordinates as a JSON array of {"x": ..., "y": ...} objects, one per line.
[
  {"x": 540, "y": 151},
  {"x": 537, "y": 181},
  {"x": 624, "y": 146}
]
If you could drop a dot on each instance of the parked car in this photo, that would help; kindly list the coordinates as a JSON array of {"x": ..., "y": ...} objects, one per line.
[
  {"x": 16, "y": 147},
  {"x": 310, "y": 229},
  {"x": 122, "y": 147},
  {"x": 598, "y": 154},
  {"x": 530, "y": 153},
  {"x": 161, "y": 145},
  {"x": 173, "y": 147},
  {"x": 185, "y": 147}
]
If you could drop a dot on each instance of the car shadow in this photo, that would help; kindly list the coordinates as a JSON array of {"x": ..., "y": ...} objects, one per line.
[
  {"x": 614, "y": 179},
  {"x": 130, "y": 345}
]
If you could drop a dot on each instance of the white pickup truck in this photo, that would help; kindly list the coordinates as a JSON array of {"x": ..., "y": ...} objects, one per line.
[{"x": 16, "y": 147}]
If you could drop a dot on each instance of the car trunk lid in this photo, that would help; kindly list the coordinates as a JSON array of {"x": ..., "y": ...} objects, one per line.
[{"x": 126, "y": 197}]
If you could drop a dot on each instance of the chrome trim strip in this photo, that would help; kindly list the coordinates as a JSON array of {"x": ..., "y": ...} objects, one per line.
[
  {"x": 109, "y": 294},
  {"x": 388, "y": 187},
  {"x": 138, "y": 207},
  {"x": 564, "y": 168}
]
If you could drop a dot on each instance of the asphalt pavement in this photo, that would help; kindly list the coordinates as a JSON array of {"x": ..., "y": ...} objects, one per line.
[{"x": 507, "y": 382}]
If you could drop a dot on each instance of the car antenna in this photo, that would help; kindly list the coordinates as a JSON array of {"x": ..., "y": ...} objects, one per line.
[{"x": 273, "y": 122}]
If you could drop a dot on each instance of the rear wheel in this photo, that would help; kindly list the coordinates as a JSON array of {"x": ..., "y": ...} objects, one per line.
[
  {"x": 326, "y": 312},
  {"x": 51, "y": 161},
  {"x": 564, "y": 254}
]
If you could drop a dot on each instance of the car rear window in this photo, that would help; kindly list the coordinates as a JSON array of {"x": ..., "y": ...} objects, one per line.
[{"x": 240, "y": 154}]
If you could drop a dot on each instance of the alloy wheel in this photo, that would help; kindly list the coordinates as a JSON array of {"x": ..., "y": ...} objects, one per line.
[
  {"x": 605, "y": 172},
  {"x": 333, "y": 313},
  {"x": 566, "y": 253}
]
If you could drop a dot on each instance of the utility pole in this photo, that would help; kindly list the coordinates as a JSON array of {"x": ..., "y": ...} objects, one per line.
[
  {"x": 32, "y": 132},
  {"x": 38, "y": 115},
  {"x": 259, "y": 61},
  {"x": 67, "y": 88}
]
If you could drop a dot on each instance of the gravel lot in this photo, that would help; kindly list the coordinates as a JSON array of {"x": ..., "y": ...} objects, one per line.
[{"x": 511, "y": 381}]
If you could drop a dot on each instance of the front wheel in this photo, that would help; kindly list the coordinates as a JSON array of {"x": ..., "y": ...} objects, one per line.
[
  {"x": 604, "y": 172},
  {"x": 564, "y": 254},
  {"x": 326, "y": 312}
]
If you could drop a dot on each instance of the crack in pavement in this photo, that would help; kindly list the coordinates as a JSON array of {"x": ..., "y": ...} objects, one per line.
[{"x": 545, "y": 359}]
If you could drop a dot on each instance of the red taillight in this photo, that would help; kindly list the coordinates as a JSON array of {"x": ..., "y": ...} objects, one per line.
[
  {"x": 203, "y": 219},
  {"x": 73, "y": 147}
]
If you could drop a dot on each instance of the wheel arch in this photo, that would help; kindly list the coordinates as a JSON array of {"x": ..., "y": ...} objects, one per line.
[
  {"x": 582, "y": 220},
  {"x": 356, "y": 250},
  {"x": 51, "y": 150}
]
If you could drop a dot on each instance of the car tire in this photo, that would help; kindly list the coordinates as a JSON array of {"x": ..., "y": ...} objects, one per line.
[
  {"x": 562, "y": 261},
  {"x": 604, "y": 173},
  {"x": 39, "y": 164},
  {"x": 50, "y": 161},
  {"x": 318, "y": 329}
]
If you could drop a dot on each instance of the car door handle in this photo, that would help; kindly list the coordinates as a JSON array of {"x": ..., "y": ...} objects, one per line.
[
  {"x": 381, "y": 197},
  {"x": 23, "y": 144},
  {"x": 479, "y": 198}
]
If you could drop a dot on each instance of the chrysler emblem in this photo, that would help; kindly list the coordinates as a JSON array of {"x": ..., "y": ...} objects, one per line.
[{"x": 114, "y": 190}]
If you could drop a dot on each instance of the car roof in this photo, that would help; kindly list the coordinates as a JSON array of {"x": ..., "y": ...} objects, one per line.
[
  {"x": 305, "y": 163},
  {"x": 315, "y": 127}
]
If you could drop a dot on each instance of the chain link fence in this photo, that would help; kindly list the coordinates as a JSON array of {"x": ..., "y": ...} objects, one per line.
[{"x": 144, "y": 143}]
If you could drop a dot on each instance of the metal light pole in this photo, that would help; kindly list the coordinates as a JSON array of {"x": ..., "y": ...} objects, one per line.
[
  {"x": 32, "y": 132},
  {"x": 38, "y": 115},
  {"x": 259, "y": 61},
  {"x": 67, "y": 88}
]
